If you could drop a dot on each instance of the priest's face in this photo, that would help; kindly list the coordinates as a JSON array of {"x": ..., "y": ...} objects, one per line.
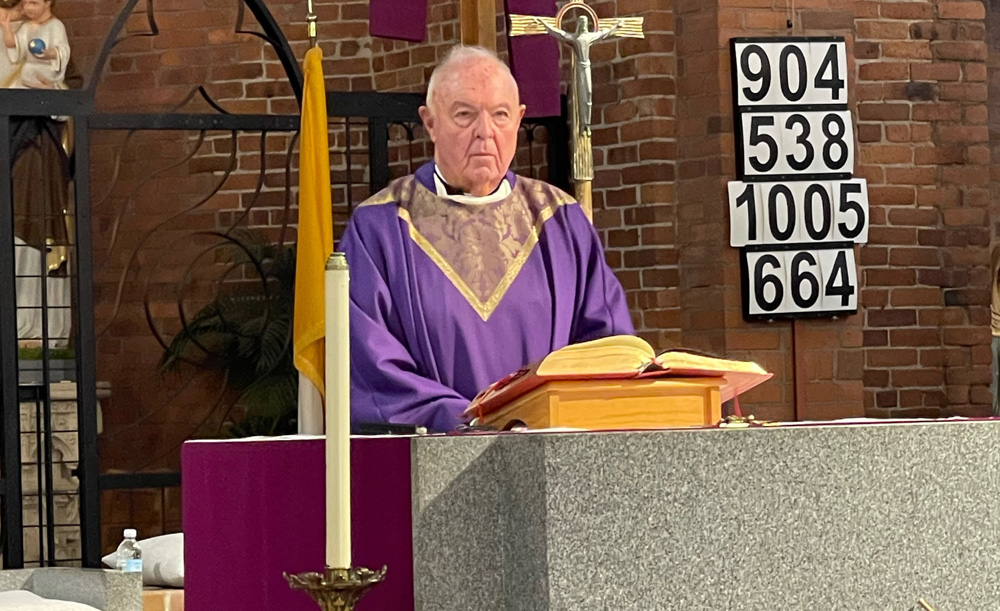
[{"x": 473, "y": 122}]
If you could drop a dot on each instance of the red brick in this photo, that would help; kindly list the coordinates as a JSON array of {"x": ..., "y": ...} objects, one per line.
[
  {"x": 961, "y": 10},
  {"x": 910, "y": 176},
  {"x": 886, "y": 154},
  {"x": 889, "y": 277},
  {"x": 895, "y": 196},
  {"x": 915, "y": 296},
  {"x": 883, "y": 112},
  {"x": 965, "y": 175},
  {"x": 961, "y": 51},
  {"x": 884, "y": 71},
  {"x": 963, "y": 133},
  {"x": 939, "y": 155},
  {"x": 897, "y": 132},
  {"x": 919, "y": 217},
  {"x": 882, "y": 30},
  {"x": 936, "y": 112},
  {"x": 918, "y": 257},
  {"x": 869, "y": 132},
  {"x": 887, "y": 357},
  {"x": 906, "y": 10},
  {"x": 935, "y": 71},
  {"x": 957, "y": 217},
  {"x": 964, "y": 92},
  {"x": 826, "y": 20},
  {"x": 909, "y": 49},
  {"x": 866, "y": 50},
  {"x": 974, "y": 71},
  {"x": 866, "y": 9},
  {"x": 976, "y": 115},
  {"x": 917, "y": 377}
]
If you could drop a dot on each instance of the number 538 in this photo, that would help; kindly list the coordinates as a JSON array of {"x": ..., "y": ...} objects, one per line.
[{"x": 808, "y": 142}]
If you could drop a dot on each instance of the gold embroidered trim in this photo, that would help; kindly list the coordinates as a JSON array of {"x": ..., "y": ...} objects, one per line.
[
  {"x": 538, "y": 196},
  {"x": 390, "y": 194},
  {"x": 483, "y": 308}
]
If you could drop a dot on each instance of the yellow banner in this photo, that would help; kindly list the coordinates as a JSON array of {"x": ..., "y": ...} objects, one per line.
[{"x": 315, "y": 234}]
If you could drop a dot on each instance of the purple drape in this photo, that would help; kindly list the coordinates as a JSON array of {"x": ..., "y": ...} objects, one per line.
[
  {"x": 400, "y": 19},
  {"x": 255, "y": 509},
  {"x": 534, "y": 60}
]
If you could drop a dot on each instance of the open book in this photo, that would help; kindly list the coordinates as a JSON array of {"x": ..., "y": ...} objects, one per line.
[{"x": 617, "y": 357}]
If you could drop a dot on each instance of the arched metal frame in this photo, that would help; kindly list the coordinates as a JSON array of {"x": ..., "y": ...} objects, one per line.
[{"x": 378, "y": 110}]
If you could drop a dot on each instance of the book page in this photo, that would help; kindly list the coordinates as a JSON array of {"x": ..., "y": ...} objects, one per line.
[
  {"x": 615, "y": 355},
  {"x": 680, "y": 359}
]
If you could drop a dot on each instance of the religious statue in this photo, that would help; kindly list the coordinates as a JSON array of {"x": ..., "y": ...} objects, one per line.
[
  {"x": 36, "y": 46},
  {"x": 11, "y": 15},
  {"x": 35, "y": 54},
  {"x": 580, "y": 41}
]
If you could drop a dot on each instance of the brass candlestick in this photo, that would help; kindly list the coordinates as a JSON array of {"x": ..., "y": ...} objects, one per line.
[{"x": 336, "y": 589}]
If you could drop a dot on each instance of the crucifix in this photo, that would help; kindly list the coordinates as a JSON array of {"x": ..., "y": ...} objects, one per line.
[
  {"x": 581, "y": 89},
  {"x": 479, "y": 23}
]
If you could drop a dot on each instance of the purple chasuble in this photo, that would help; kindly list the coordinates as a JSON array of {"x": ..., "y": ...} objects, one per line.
[{"x": 447, "y": 298}]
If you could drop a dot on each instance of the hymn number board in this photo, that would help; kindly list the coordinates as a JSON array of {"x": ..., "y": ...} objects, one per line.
[{"x": 796, "y": 211}]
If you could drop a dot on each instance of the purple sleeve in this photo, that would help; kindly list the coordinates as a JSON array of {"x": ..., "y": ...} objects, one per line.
[
  {"x": 602, "y": 309},
  {"x": 385, "y": 383}
]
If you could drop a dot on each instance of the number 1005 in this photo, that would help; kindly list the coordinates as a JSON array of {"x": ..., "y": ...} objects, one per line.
[{"x": 793, "y": 212}]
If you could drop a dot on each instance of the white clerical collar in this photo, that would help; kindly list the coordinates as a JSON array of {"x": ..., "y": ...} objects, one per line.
[{"x": 502, "y": 191}]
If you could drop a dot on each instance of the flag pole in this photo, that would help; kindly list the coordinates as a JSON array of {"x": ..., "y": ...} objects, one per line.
[{"x": 311, "y": 22}]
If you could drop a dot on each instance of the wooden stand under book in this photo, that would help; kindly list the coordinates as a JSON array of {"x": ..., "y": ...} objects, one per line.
[
  {"x": 606, "y": 404},
  {"x": 615, "y": 382}
]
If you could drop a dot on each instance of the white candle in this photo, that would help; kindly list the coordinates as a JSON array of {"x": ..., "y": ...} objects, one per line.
[{"x": 338, "y": 415}]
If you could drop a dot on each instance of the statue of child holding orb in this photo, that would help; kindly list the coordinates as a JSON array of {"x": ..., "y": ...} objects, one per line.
[
  {"x": 35, "y": 54},
  {"x": 36, "y": 47}
]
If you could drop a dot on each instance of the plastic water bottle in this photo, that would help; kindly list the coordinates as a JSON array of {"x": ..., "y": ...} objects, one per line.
[{"x": 129, "y": 555}]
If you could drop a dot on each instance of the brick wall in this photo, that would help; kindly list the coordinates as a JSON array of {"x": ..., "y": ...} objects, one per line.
[
  {"x": 635, "y": 147},
  {"x": 922, "y": 124}
]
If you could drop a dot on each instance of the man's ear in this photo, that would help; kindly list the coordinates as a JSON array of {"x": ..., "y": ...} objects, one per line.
[{"x": 428, "y": 118}]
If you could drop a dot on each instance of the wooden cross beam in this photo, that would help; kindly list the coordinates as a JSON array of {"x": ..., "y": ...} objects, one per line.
[{"x": 479, "y": 23}]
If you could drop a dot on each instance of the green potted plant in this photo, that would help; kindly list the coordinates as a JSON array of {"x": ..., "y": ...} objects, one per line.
[{"x": 245, "y": 333}]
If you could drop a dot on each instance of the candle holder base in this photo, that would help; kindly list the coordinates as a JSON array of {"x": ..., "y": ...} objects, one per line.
[{"x": 336, "y": 589}]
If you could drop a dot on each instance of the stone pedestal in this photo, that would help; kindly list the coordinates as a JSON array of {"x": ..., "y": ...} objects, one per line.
[{"x": 65, "y": 486}]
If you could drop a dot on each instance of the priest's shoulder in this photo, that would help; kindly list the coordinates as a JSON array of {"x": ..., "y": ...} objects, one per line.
[
  {"x": 544, "y": 192},
  {"x": 398, "y": 190}
]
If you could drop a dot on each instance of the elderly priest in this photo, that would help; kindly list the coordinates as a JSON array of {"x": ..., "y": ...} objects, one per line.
[{"x": 464, "y": 272}]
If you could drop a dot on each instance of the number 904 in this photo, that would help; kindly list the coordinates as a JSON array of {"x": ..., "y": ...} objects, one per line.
[{"x": 778, "y": 73}]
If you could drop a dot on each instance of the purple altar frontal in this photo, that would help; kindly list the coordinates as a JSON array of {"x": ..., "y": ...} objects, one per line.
[{"x": 254, "y": 508}]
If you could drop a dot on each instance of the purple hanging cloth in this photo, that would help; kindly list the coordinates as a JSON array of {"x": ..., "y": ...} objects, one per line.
[
  {"x": 534, "y": 60},
  {"x": 399, "y": 19}
]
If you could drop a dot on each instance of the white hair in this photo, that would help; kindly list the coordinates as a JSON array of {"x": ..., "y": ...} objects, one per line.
[{"x": 460, "y": 54}]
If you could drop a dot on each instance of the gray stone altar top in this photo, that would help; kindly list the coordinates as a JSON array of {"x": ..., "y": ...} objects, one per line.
[{"x": 804, "y": 517}]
